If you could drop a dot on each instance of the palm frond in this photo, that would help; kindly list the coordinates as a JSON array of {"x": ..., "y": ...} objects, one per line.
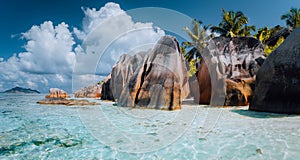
[
  {"x": 196, "y": 28},
  {"x": 220, "y": 30},
  {"x": 292, "y": 18},
  {"x": 233, "y": 24}
]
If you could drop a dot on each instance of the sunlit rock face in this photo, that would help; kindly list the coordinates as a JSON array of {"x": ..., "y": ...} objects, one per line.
[
  {"x": 278, "y": 80},
  {"x": 239, "y": 92},
  {"x": 92, "y": 91},
  {"x": 228, "y": 69},
  {"x": 57, "y": 93},
  {"x": 158, "y": 81},
  {"x": 123, "y": 70}
]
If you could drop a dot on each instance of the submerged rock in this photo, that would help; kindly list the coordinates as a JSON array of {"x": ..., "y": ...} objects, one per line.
[
  {"x": 59, "y": 97},
  {"x": 161, "y": 81},
  {"x": 227, "y": 62},
  {"x": 278, "y": 80},
  {"x": 92, "y": 91},
  {"x": 67, "y": 102},
  {"x": 57, "y": 93}
]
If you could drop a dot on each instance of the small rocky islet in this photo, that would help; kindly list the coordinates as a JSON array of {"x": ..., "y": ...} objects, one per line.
[
  {"x": 59, "y": 97},
  {"x": 20, "y": 90}
]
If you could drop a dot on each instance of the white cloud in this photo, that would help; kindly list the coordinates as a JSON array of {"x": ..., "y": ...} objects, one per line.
[
  {"x": 1, "y": 85},
  {"x": 93, "y": 18},
  {"x": 48, "y": 52},
  {"x": 108, "y": 33},
  {"x": 49, "y": 49},
  {"x": 49, "y": 57},
  {"x": 31, "y": 84},
  {"x": 84, "y": 80}
]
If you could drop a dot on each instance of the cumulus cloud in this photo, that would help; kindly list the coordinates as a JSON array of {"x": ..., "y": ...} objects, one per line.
[
  {"x": 48, "y": 52},
  {"x": 107, "y": 34},
  {"x": 93, "y": 18},
  {"x": 50, "y": 57},
  {"x": 47, "y": 46}
]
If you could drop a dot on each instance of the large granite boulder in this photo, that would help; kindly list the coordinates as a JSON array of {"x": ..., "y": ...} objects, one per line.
[
  {"x": 226, "y": 63},
  {"x": 123, "y": 70},
  {"x": 278, "y": 80},
  {"x": 106, "y": 93},
  {"x": 92, "y": 91},
  {"x": 161, "y": 81},
  {"x": 204, "y": 84},
  {"x": 57, "y": 93}
]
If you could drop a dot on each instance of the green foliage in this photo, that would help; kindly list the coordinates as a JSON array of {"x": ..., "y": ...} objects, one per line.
[
  {"x": 192, "y": 54},
  {"x": 270, "y": 49},
  {"x": 233, "y": 24},
  {"x": 264, "y": 34},
  {"x": 192, "y": 70},
  {"x": 100, "y": 82},
  {"x": 182, "y": 49},
  {"x": 292, "y": 18}
]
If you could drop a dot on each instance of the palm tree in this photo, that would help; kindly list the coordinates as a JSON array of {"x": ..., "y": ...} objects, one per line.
[
  {"x": 292, "y": 18},
  {"x": 233, "y": 24},
  {"x": 199, "y": 37}
]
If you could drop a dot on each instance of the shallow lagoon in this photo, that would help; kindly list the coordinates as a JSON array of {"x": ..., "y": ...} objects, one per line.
[{"x": 32, "y": 131}]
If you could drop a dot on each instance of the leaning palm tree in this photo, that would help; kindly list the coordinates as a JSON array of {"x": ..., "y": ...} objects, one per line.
[
  {"x": 292, "y": 18},
  {"x": 233, "y": 24}
]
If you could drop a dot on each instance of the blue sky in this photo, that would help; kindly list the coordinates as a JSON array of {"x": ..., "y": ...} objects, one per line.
[
  {"x": 18, "y": 16},
  {"x": 41, "y": 39}
]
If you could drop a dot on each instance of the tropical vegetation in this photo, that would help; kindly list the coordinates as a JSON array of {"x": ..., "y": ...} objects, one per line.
[
  {"x": 264, "y": 34},
  {"x": 233, "y": 24},
  {"x": 199, "y": 38},
  {"x": 292, "y": 18}
]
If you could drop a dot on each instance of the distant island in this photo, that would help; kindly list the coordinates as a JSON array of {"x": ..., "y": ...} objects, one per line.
[{"x": 21, "y": 90}]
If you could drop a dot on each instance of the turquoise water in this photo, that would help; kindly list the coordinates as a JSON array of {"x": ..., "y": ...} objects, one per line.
[{"x": 32, "y": 131}]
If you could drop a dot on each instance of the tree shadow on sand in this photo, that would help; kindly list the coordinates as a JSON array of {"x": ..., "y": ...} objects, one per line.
[{"x": 255, "y": 114}]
